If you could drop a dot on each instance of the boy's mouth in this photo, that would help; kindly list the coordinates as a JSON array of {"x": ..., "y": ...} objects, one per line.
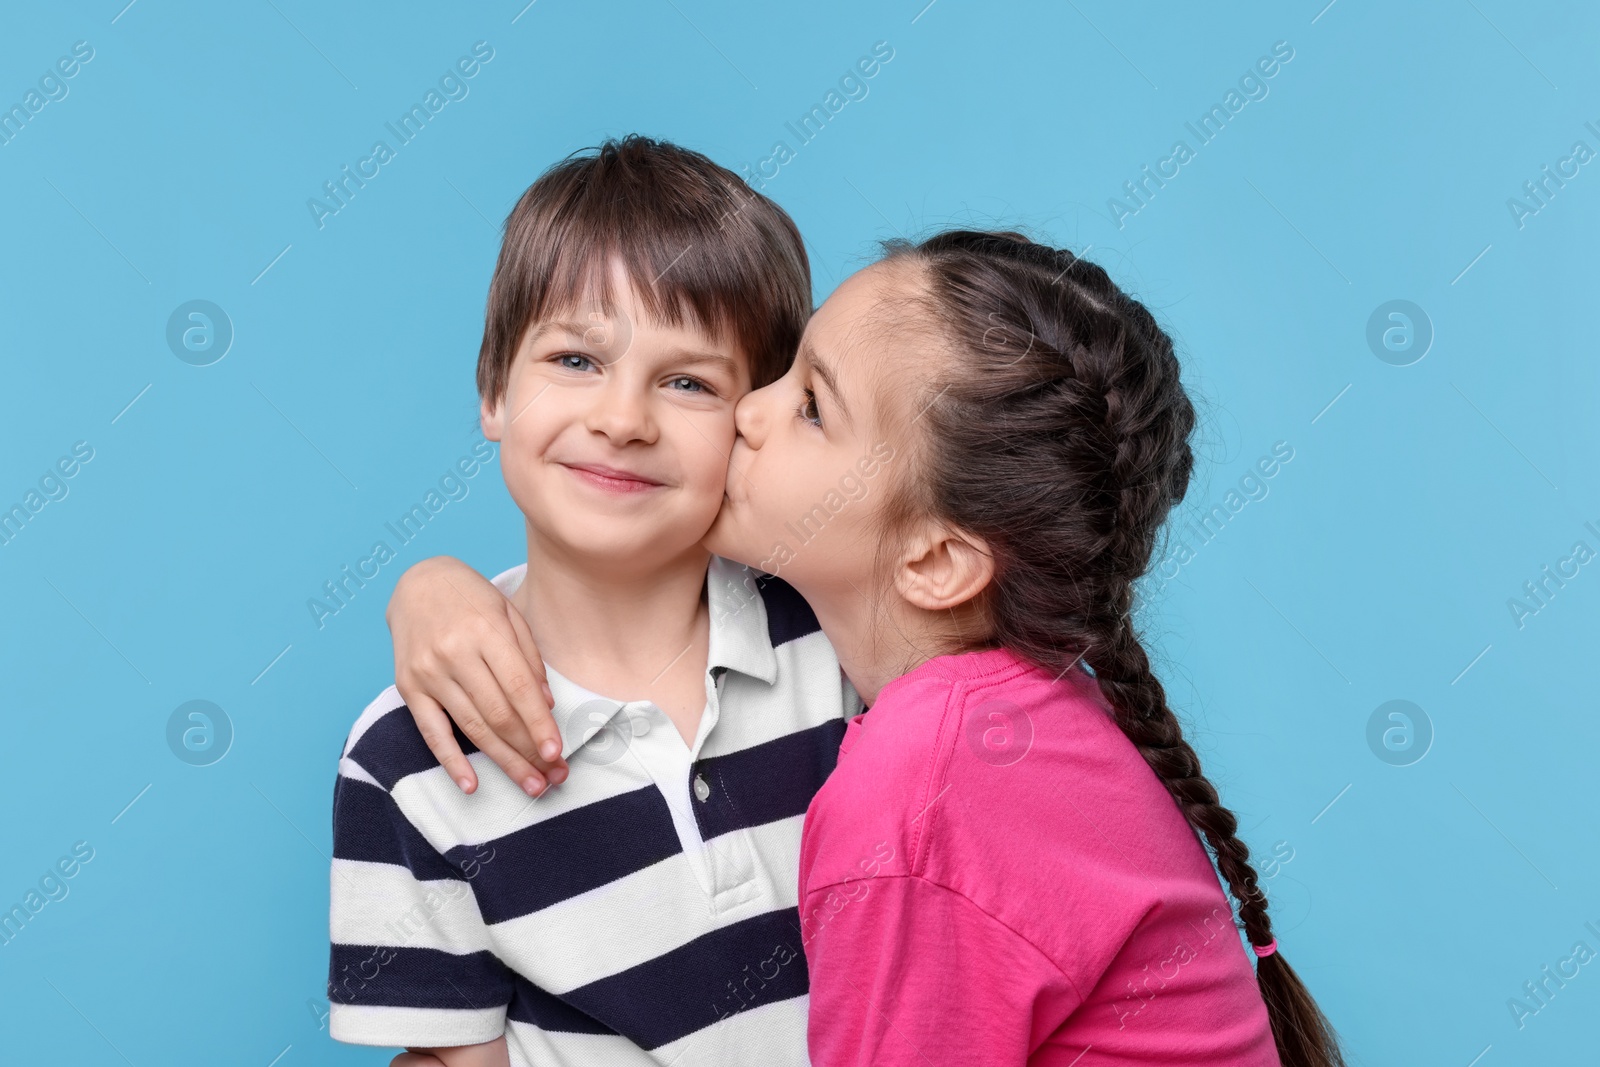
[{"x": 612, "y": 479}]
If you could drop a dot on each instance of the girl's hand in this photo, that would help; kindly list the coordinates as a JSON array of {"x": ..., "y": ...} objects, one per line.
[
  {"x": 489, "y": 1054},
  {"x": 462, "y": 649}
]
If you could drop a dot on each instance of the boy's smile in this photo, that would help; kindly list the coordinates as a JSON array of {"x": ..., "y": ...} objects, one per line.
[{"x": 611, "y": 479}]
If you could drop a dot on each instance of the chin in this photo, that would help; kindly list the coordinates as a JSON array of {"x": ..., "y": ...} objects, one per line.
[
  {"x": 723, "y": 540},
  {"x": 713, "y": 540}
]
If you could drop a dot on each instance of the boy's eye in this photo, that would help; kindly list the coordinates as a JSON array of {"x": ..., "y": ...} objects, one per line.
[
  {"x": 684, "y": 383},
  {"x": 808, "y": 409},
  {"x": 573, "y": 361}
]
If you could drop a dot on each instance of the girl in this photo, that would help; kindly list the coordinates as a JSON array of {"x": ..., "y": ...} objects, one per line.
[{"x": 1006, "y": 865}]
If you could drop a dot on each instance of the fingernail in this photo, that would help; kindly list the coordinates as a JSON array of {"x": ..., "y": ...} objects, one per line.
[
  {"x": 465, "y": 784},
  {"x": 550, "y": 749},
  {"x": 530, "y": 786},
  {"x": 558, "y": 775}
]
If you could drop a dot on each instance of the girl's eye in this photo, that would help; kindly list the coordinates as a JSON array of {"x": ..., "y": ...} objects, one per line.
[
  {"x": 573, "y": 361},
  {"x": 808, "y": 409},
  {"x": 688, "y": 384}
]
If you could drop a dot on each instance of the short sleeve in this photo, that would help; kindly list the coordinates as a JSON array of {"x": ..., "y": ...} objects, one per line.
[
  {"x": 905, "y": 971},
  {"x": 410, "y": 960}
]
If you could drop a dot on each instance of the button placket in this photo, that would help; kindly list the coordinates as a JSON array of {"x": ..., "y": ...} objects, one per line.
[
  {"x": 730, "y": 855},
  {"x": 729, "y": 860}
]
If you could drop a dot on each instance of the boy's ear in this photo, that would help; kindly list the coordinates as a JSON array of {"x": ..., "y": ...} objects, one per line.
[
  {"x": 491, "y": 415},
  {"x": 944, "y": 568}
]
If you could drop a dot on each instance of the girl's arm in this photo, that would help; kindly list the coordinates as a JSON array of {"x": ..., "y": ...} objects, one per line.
[
  {"x": 905, "y": 972},
  {"x": 463, "y": 651},
  {"x": 489, "y": 1054}
]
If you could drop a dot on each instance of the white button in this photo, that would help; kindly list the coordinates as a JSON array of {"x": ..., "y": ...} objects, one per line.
[{"x": 701, "y": 789}]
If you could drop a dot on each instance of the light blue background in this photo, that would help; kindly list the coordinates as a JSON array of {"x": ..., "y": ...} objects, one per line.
[{"x": 1378, "y": 567}]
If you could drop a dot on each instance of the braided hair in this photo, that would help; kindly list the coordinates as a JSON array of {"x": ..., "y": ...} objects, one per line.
[{"x": 1061, "y": 437}]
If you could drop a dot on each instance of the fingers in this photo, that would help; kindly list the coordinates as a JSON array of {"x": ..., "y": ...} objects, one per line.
[
  {"x": 434, "y": 726},
  {"x": 464, "y": 652},
  {"x": 492, "y": 656},
  {"x": 481, "y": 683},
  {"x": 464, "y": 711},
  {"x": 530, "y": 650},
  {"x": 522, "y": 677}
]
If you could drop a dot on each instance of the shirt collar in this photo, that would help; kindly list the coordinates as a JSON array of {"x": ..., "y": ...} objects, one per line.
[{"x": 739, "y": 641}]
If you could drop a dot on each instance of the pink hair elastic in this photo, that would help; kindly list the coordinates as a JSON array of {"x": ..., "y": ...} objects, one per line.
[{"x": 1266, "y": 950}]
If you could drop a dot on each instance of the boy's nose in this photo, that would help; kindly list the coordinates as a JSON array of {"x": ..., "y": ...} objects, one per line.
[{"x": 621, "y": 415}]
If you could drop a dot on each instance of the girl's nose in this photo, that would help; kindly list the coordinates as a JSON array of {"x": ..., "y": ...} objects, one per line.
[{"x": 751, "y": 415}]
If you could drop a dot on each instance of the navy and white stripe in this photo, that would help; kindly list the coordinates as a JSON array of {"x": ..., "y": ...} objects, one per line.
[{"x": 588, "y": 925}]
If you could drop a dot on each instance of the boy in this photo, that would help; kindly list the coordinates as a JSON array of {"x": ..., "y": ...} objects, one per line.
[{"x": 645, "y": 911}]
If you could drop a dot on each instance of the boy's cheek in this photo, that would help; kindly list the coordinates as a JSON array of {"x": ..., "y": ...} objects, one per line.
[
  {"x": 706, "y": 442},
  {"x": 520, "y": 468}
]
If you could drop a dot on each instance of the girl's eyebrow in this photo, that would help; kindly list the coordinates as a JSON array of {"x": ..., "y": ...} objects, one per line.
[{"x": 825, "y": 374}]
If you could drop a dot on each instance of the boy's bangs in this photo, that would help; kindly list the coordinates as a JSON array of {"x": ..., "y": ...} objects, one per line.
[{"x": 672, "y": 289}]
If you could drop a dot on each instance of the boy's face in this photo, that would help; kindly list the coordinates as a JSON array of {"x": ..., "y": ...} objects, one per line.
[{"x": 615, "y": 430}]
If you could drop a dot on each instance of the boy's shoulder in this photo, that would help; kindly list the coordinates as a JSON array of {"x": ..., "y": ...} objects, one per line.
[
  {"x": 383, "y": 704},
  {"x": 385, "y": 745}
]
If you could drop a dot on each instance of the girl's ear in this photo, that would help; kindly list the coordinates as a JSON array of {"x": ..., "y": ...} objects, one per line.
[
  {"x": 943, "y": 568},
  {"x": 491, "y": 414}
]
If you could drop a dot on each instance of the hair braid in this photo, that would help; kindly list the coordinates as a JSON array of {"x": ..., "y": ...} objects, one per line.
[{"x": 1067, "y": 459}]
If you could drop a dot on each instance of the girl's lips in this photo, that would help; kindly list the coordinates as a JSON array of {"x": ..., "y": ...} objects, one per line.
[{"x": 610, "y": 479}]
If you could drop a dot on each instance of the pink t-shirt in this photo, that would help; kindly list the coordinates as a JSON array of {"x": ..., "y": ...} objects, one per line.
[{"x": 994, "y": 875}]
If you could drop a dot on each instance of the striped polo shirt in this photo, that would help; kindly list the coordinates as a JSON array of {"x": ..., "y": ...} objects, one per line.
[{"x": 644, "y": 911}]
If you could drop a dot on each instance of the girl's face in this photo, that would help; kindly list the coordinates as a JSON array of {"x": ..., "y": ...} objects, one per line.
[{"x": 812, "y": 467}]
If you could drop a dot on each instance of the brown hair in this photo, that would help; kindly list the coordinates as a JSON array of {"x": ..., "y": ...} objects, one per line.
[
  {"x": 699, "y": 245},
  {"x": 1060, "y": 435}
]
